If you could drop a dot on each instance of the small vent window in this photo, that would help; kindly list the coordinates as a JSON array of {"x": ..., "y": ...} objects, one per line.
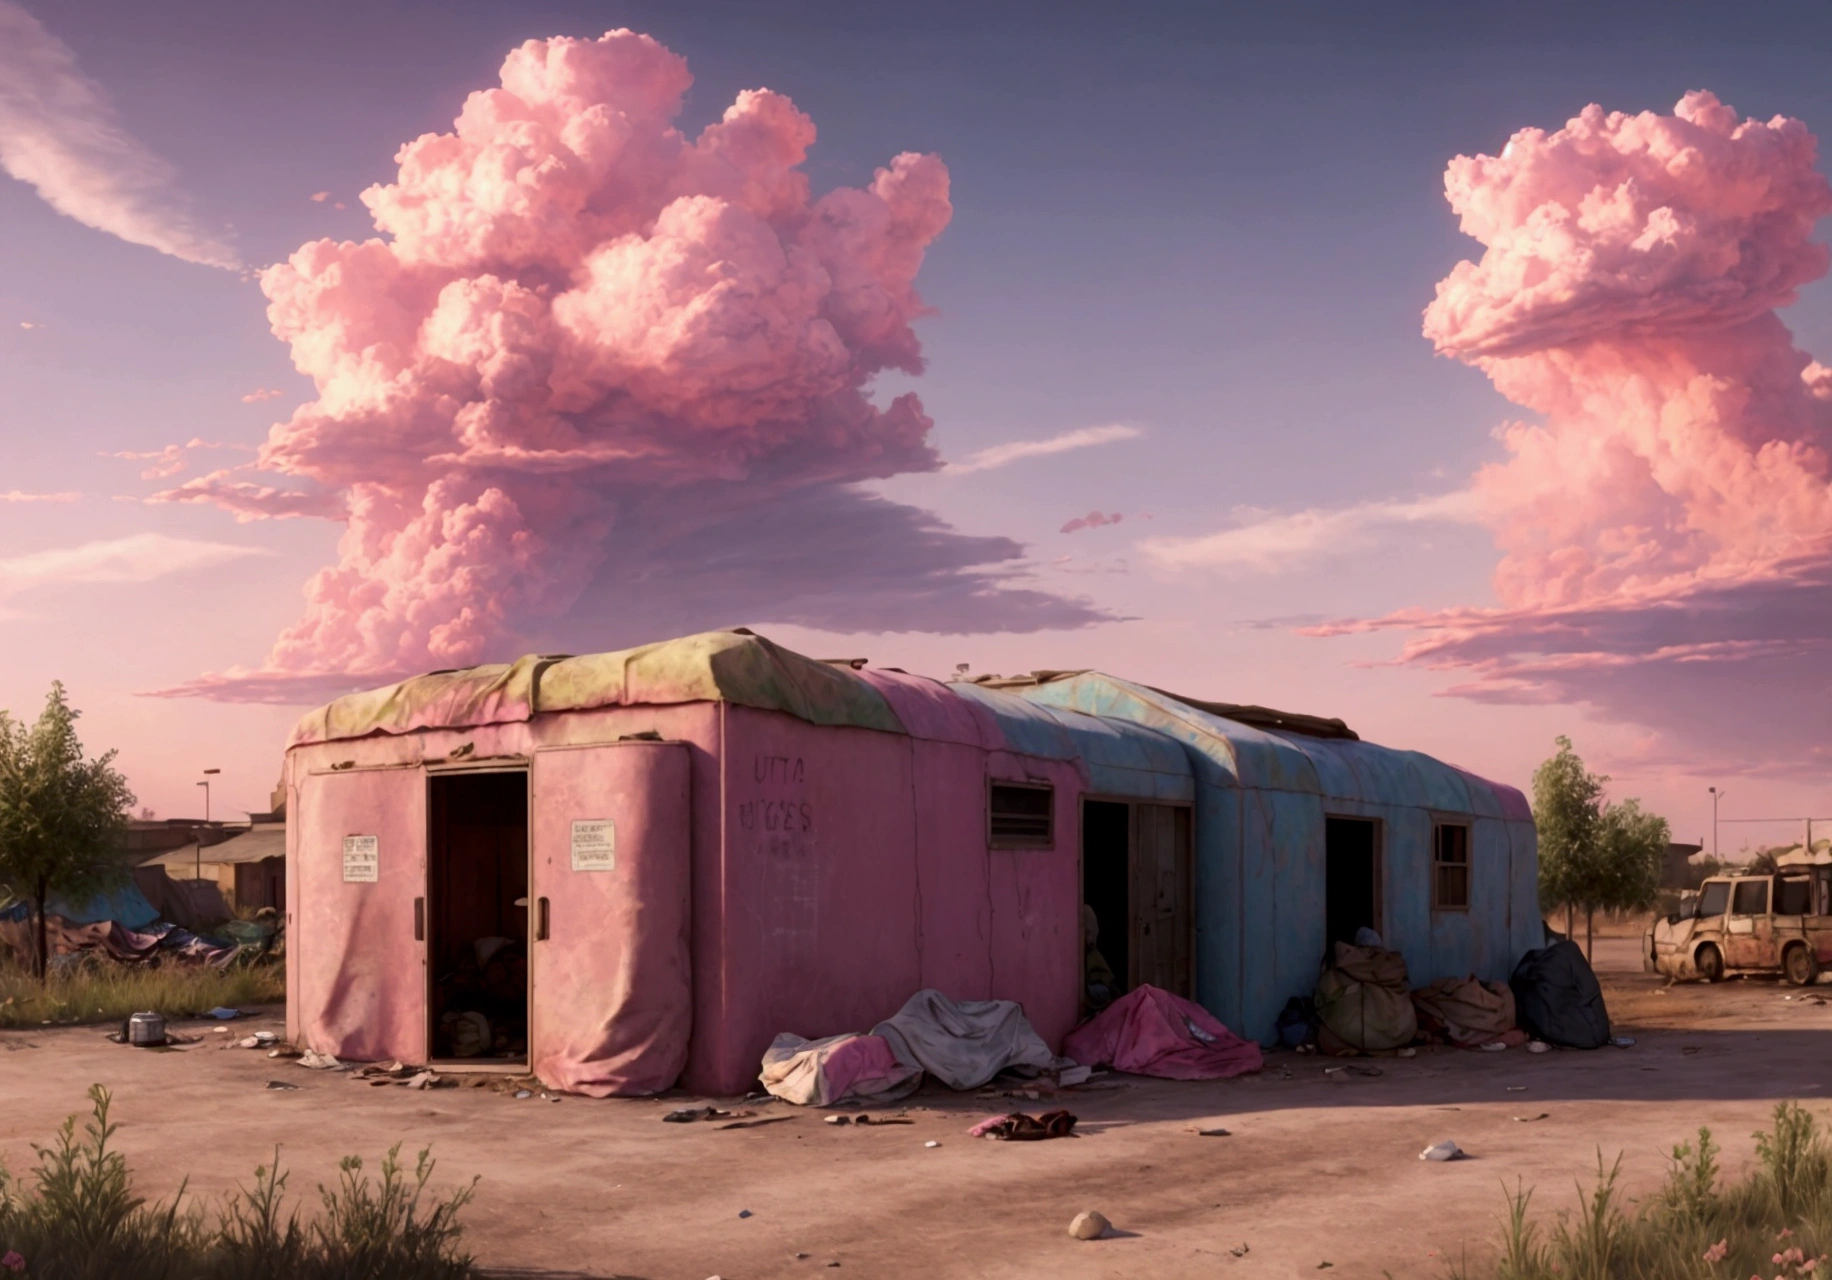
[
  {"x": 1022, "y": 816},
  {"x": 1450, "y": 868}
]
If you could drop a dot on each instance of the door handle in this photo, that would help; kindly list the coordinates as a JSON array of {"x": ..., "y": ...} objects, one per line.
[
  {"x": 541, "y": 920},
  {"x": 419, "y": 919}
]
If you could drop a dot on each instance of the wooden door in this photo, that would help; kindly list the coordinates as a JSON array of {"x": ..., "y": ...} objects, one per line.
[{"x": 1163, "y": 943}]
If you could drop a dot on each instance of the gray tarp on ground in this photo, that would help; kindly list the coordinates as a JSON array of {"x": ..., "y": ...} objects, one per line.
[{"x": 966, "y": 1044}]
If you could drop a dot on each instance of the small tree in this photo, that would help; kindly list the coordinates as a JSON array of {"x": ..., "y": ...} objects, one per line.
[
  {"x": 1567, "y": 811},
  {"x": 61, "y": 815},
  {"x": 1593, "y": 855}
]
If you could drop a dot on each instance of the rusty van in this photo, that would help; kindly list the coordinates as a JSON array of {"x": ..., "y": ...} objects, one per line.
[{"x": 1748, "y": 924}]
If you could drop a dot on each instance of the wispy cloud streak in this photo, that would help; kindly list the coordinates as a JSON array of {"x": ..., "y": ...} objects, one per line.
[
  {"x": 59, "y": 133},
  {"x": 140, "y": 557},
  {"x": 1003, "y": 455},
  {"x": 1264, "y": 542}
]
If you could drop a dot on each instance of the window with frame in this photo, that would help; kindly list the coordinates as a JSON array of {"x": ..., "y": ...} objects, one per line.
[
  {"x": 1750, "y": 898},
  {"x": 1021, "y": 815},
  {"x": 1450, "y": 867}
]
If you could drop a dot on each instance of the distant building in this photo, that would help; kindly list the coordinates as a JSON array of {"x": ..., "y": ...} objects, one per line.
[
  {"x": 210, "y": 880},
  {"x": 1676, "y": 870}
]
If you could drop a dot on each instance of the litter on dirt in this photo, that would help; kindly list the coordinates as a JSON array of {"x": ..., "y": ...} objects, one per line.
[
  {"x": 749, "y": 1124},
  {"x": 687, "y": 1115},
  {"x": 1214, "y": 1133},
  {"x": 278, "y": 1085},
  {"x": 1018, "y": 1127},
  {"x": 1529, "y": 1119},
  {"x": 1241, "y": 1252},
  {"x": 1439, "y": 1152}
]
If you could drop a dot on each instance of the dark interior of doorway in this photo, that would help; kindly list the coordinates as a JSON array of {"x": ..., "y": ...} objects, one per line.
[
  {"x": 1351, "y": 878},
  {"x": 477, "y": 916},
  {"x": 1106, "y": 883}
]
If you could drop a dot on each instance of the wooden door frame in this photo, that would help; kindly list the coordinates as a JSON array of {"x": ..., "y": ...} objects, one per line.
[{"x": 1132, "y": 804}]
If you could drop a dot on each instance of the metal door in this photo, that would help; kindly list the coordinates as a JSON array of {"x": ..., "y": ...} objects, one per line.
[
  {"x": 356, "y": 886},
  {"x": 610, "y": 826},
  {"x": 1162, "y": 920}
]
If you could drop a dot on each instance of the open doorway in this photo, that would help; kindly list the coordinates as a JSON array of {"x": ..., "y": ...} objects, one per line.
[
  {"x": 1137, "y": 891},
  {"x": 1351, "y": 853},
  {"x": 1106, "y": 884},
  {"x": 477, "y": 917}
]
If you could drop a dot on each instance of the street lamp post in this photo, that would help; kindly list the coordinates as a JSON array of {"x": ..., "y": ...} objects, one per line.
[
  {"x": 198, "y": 873},
  {"x": 1716, "y": 795}
]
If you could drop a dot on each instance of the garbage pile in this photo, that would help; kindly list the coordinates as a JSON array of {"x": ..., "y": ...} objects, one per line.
[
  {"x": 1364, "y": 1004},
  {"x": 139, "y": 942}
]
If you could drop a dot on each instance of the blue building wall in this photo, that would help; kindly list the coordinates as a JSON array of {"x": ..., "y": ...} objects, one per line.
[{"x": 1261, "y": 801}]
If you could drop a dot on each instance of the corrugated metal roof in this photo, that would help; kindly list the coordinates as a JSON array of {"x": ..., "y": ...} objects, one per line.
[
  {"x": 265, "y": 840},
  {"x": 1269, "y": 760},
  {"x": 1123, "y": 758}
]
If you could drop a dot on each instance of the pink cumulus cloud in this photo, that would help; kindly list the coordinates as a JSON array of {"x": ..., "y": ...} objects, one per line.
[
  {"x": 16, "y": 495},
  {"x": 1666, "y": 528},
  {"x": 262, "y": 393},
  {"x": 593, "y": 350},
  {"x": 1093, "y": 520}
]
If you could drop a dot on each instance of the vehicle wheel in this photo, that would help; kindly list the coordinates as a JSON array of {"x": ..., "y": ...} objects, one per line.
[
  {"x": 1710, "y": 963},
  {"x": 1800, "y": 965}
]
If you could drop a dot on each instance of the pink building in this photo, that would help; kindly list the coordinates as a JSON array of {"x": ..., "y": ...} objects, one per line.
[{"x": 628, "y": 870}]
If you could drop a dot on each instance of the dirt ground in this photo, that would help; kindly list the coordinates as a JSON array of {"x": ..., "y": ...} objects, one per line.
[{"x": 1313, "y": 1171}]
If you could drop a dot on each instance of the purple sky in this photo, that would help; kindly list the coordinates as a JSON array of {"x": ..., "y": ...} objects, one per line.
[{"x": 1191, "y": 258}]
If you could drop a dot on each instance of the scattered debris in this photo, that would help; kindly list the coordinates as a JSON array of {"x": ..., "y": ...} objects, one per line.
[
  {"x": 1090, "y": 1224},
  {"x": 1538, "y": 1046},
  {"x": 278, "y": 1085},
  {"x": 222, "y": 1014},
  {"x": 1325, "y": 1265},
  {"x": 863, "y": 1118},
  {"x": 1442, "y": 1151},
  {"x": 1241, "y": 1252},
  {"x": 749, "y": 1124},
  {"x": 1214, "y": 1133},
  {"x": 1688, "y": 1049},
  {"x": 1623, "y": 1042},
  {"x": 1069, "y": 1077},
  {"x": 259, "y": 1040},
  {"x": 1018, "y": 1127},
  {"x": 687, "y": 1115},
  {"x": 524, "y": 1093},
  {"x": 931, "y": 1143},
  {"x": 386, "y": 1073},
  {"x": 1517, "y": 1088},
  {"x": 744, "y": 1213},
  {"x": 1544, "y": 1115},
  {"x": 316, "y": 1061}
]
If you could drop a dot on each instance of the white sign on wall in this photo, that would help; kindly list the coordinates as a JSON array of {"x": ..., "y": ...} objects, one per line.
[
  {"x": 362, "y": 859},
  {"x": 594, "y": 845}
]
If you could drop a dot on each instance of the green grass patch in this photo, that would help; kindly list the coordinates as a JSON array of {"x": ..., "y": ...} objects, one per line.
[
  {"x": 80, "y": 1220},
  {"x": 1775, "y": 1221},
  {"x": 107, "y": 992}
]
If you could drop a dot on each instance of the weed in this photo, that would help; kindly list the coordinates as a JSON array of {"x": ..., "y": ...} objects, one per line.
[
  {"x": 1775, "y": 1221},
  {"x": 82, "y": 1221}
]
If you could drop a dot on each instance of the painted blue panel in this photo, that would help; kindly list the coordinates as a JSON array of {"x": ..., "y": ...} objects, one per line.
[
  {"x": 1261, "y": 803},
  {"x": 1123, "y": 757}
]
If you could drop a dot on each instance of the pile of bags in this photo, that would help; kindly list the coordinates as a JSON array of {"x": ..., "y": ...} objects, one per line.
[{"x": 1364, "y": 1004}]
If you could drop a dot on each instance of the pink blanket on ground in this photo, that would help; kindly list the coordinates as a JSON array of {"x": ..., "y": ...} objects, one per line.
[{"x": 1150, "y": 1032}]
